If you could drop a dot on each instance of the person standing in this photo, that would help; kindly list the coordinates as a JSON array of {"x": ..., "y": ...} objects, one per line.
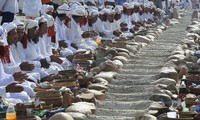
[{"x": 8, "y": 10}]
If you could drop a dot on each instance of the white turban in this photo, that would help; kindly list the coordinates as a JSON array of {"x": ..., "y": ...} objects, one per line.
[
  {"x": 79, "y": 11},
  {"x": 46, "y": 8},
  {"x": 41, "y": 19},
  {"x": 127, "y": 5},
  {"x": 110, "y": 12},
  {"x": 63, "y": 9},
  {"x": 50, "y": 20},
  {"x": 9, "y": 26},
  {"x": 103, "y": 11},
  {"x": 93, "y": 13},
  {"x": 3, "y": 36},
  {"x": 118, "y": 9},
  {"x": 74, "y": 4},
  {"x": 30, "y": 24},
  {"x": 18, "y": 23}
]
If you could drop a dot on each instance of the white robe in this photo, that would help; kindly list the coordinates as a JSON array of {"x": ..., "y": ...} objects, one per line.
[
  {"x": 6, "y": 79},
  {"x": 45, "y": 49},
  {"x": 37, "y": 56},
  {"x": 16, "y": 61},
  {"x": 9, "y": 6},
  {"x": 76, "y": 37},
  {"x": 32, "y": 8},
  {"x": 135, "y": 17},
  {"x": 99, "y": 26},
  {"x": 62, "y": 33},
  {"x": 127, "y": 19},
  {"x": 22, "y": 55}
]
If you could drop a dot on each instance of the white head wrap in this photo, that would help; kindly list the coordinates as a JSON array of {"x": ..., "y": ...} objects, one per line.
[
  {"x": 50, "y": 20},
  {"x": 110, "y": 12},
  {"x": 127, "y": 5},
  {"x": 9, "y": 26},
  {"x": 93, "y": 13},
  {"x": 18, "y": 22},
  {"x": 79, "y": 11},
  {"x": 74, "y": 4},
  {"x": 103, "y": 11},
  {"x": 30, "y": 24},
  {"x": 63, "y": 9},
  {"x": 118, "y": 9},
  {"x": 3, "y": 36},
  {"x": 41, "y": 19},
  {"x": 46, "y": 8}
]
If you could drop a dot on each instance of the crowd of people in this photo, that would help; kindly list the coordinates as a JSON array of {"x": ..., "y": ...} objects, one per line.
[{"x": 40, "y": 45}]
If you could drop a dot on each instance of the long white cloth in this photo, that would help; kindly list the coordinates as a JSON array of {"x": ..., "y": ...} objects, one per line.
[
  {"x": 6, "y": 79},
  {"x": 63, "y": 33},
  {"x": 9, "y": 6},
  {"x": 32, "y": 8}
]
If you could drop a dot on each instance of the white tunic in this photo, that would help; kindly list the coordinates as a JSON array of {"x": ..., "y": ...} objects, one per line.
[
  {"x": 63, "y": 33},
  {"x": 43, "y": 72},
  {"x": 37, "y": 56},
  {"x": 13, "y": 67},
  {"x": 6, "y": 79},
  {"x": 9, "y": 6},
  {"x": 76, "y": 33},
  {"x": 127, "y": 19},
  {"x": 45, "y": 49},
  {"x": 32, "y": 8},
  {"x": 135, "y": 17}
]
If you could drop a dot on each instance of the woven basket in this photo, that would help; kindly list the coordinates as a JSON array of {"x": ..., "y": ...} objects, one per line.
[
  {"x": 195, "y": 91},
  {"x": 187, "y": 114},
  {"x": 55, "y": 101}
]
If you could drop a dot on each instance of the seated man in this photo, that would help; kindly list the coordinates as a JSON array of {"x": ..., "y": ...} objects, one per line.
[
  {"x": 9, "y": 83},
  {"x": 62, "y": 32}
]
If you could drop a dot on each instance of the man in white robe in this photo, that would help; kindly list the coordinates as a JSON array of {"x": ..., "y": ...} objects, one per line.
[
  {"x": 62, "y": 32},
  {"x": 33, "y": 48},
  {"x": 110, "y": 25},
  {"x": 16, "y": 65},
  {"x": 31, "y": 8},
  {"x": 45, "y": 47},
  {"x": 77, "y": 35},
  {"x": 8, "y": 8},
  {"x": 8, "y": 82}
]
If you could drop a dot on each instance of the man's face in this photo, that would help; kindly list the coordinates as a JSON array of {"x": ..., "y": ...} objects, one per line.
[
  {"x": 117, "y": 16},
  {"x": 128, "y": 11},
  {"x": 103, "y": 17},
  {"x": 32, "y": 32},
  {"x": 110, "y": 17},
  {"x": 12, "y": 37},
  {"x": 20, "y": 33},
  {"x": 43, "y": 28},
  {"x": 92, "y": 19}
]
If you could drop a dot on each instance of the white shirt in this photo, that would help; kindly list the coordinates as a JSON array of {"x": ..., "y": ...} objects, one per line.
[
  {"x": 5, "y": 79},
  {"x": 32, "y": 8},
  {"x": 22, "y": 55},
  {"x": 60, "y": 30},
  {"x": 76, "y": 33},
  {"x": 10, "y": 6},
  {"x": 13, "y": 66}
]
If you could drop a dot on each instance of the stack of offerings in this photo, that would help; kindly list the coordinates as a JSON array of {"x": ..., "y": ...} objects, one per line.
[
  {"x": 83, "y": 59},
  {"x": 50, "y": 97},
  {"x": 69, "y": 79}
]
